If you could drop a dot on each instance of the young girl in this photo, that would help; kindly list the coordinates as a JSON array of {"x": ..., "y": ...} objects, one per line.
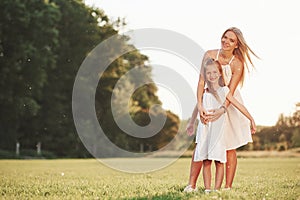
[{"x": 211, "y": 139}]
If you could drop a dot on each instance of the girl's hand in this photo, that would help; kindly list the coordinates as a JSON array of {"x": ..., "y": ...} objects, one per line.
[
  {"x": 190, "y": 129},
  {"x": 253, "y": 127},
  {"x": 203, "y": 114}
]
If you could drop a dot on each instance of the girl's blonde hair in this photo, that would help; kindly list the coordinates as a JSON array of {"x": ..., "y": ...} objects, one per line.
[
  {"x": 209, "y": 62},
  {"x": 242, "y": 51}
]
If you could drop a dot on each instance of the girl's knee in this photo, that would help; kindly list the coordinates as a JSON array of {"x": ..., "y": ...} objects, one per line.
[
  {"x": 219, "y": 164},
  {"x": 206, "y": 162}
]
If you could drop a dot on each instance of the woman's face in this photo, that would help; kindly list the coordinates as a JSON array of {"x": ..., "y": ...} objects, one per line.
[
  {"x": 229, "y": 41},
  {"x": 212, "y": 73}
]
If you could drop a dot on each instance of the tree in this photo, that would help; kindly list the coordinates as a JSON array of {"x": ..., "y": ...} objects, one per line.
[
  {"x": 284, "y": 135},
  {"x": 27, "y": 44},
  {"x": 39, "y": 66},
  {"x": 296, "y": 138},
  {"x": 296, "y": 116},
  {"x": 80, "y": 28}
]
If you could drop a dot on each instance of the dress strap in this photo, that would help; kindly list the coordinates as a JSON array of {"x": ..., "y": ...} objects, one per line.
[
  {"x": 217, "y": 57},
  {"x": 231, "y": 59}
]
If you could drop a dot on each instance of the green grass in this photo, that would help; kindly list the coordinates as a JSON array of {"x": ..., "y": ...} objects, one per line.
[{"x": 256, "y": 178}]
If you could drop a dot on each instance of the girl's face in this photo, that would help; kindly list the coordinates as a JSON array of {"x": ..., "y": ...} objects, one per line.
[
  {"x": 229, "y": 41},
  {"x": 212, "y": 73}
]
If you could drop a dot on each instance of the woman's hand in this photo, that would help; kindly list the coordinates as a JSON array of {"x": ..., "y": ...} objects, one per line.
[
  {"x": 214, "y": 114},
  {"x": 253, "y": 127}
]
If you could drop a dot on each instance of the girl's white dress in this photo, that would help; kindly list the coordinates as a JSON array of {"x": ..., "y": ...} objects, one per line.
[{"x": 230, "y": 131}]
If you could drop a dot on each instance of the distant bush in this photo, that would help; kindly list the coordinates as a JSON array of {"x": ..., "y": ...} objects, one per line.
[
  {"x": 7, "y": 154},
  {"x": 26, "y": 153},
  {"x": 281, "y": 148},
  {"x": 30, "y": 153}
]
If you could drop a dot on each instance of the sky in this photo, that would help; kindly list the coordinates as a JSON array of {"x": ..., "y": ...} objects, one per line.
[{"x": 269, "y": 27}]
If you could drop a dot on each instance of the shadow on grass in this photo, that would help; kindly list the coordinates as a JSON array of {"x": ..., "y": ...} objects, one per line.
[
  {"x": 176, "y": 194},
  {"x": 182, "y": 196}
]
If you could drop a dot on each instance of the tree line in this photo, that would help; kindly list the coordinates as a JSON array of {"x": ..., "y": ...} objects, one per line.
[
  {"x": 42, "y": 45},
  {"x": 284, "y": 135}
]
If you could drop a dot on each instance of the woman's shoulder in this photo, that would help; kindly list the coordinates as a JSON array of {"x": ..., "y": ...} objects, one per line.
[{"x": 237, "y": 64}]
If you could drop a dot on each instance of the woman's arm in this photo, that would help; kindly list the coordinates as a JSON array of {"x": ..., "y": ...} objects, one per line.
[
  {"x": 243, "y": 110},
  {"x": 200, "y": 87},
  {"x": 237, "y": 73}
]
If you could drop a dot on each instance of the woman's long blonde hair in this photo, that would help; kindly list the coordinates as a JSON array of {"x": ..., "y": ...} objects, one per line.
[{"x": 242, "y": 51}]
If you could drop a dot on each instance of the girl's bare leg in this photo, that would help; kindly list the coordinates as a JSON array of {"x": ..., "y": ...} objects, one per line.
[
  {"x": 230, "y": 167},
  {"x": 194, "y": 171},
  {"x": 219, "y": 175},
  {"x": 207, "y": 174}
]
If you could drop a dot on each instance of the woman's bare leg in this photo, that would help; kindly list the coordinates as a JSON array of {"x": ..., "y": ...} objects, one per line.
[
  {"x": 219, "y": 175},
  {"x": 230, "y": 167},
  {"x": 194, "y": 171}
]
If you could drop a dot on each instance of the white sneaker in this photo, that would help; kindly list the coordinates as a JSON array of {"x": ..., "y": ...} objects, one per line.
[
  {"x": 207, "y": 191},
  {"x": 226, "y": 189},
  {"x": 189, "y": 188}
]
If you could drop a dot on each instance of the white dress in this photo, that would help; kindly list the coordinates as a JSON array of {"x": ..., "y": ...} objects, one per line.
[
  {"x": 234, "y": 127},
  {"x": 211, "y": 138}
]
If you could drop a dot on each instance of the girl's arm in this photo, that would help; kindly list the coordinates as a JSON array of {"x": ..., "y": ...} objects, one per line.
[
  {"x": 190, "y": 128},
  {"x": 243, "y": 110}
]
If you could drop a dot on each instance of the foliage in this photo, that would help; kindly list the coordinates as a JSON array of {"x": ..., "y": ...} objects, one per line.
[
  {"x": 42, "y": 45},
  {"x": 27, "y": 44},
  {"x": 296, "y": 138},
  {"x": 282, "y": 136}
]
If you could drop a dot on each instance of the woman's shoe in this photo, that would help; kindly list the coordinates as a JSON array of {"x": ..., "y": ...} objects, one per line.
[{"x": 226, "y": 189}]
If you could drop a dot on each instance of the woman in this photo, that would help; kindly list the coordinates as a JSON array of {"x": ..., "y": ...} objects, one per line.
[
  {"x": 211, "y": 139},
  {"x": 233, "y": 56}
]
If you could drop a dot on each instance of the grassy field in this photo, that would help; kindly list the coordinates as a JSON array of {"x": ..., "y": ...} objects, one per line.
[{"x": 256, "y": 178}]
